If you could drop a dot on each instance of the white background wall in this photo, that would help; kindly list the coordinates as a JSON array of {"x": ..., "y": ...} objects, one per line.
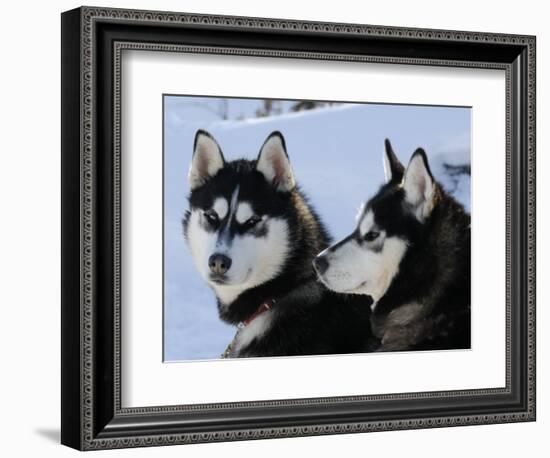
[{"x": 30, "y": 214}]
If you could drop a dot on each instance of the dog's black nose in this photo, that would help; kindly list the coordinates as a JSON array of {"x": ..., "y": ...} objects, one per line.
[
  {"x": 320, "y": 264},
  {"x": 219, "y": 263}
]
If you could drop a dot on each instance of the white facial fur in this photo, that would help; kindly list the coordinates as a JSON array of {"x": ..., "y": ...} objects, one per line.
[
  {"x": 367, "y": 267},
  {"x": 244, "y": 212},
  {"x": 255, "y": 260},
  {"x": 220, "y": 207}
]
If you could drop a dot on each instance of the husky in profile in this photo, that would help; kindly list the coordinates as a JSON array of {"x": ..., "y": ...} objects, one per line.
[
  {"x": 410, "y": 252},
  {"x": 253, "y": 237}
]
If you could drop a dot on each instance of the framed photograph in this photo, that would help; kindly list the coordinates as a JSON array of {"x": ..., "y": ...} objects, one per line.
[{"x": 276, "y": 228}]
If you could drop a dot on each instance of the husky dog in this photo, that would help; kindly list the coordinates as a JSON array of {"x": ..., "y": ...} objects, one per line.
[
  {"x": 253, "y": 237},
  {"x": 410, "y": 252}
]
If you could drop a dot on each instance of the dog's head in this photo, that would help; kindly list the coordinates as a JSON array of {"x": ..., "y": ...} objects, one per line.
[
  {"x": 236, "y": 226},
  {"x": 367, "y": 260}
]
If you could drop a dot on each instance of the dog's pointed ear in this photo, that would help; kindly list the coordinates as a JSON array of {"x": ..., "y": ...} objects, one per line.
[
  {"x": 207, "y": 159},
  {"x": 419, "y": 185},
  {"x": 393, "y": 169},
  {"x": 274, "y": 165}
]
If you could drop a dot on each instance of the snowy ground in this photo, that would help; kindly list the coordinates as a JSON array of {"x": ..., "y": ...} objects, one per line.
[{"x": 336, "y": 153}]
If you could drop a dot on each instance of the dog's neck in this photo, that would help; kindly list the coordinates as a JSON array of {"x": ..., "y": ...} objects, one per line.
[
  {"x": 248, "y": 302},
  {"x": 425, "y": 275}
]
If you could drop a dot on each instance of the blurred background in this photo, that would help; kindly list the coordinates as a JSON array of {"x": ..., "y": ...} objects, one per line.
[{"x": 336, "y": 152}]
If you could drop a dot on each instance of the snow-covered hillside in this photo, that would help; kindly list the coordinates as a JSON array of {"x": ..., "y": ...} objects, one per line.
[{"x": 336, "y": 153}]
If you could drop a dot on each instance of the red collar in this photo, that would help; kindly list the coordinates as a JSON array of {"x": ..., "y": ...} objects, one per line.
[{"x": 264, "y": 307}]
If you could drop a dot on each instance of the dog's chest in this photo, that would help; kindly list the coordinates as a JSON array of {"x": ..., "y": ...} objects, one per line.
[
  {"x": 253, "y": 331},
  {"x": 403, "y": 327}
]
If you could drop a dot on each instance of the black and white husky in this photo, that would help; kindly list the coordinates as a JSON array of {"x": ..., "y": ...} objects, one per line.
[
  {"x": 410, "y": 252},
  {"x": 253, "y": 237}
]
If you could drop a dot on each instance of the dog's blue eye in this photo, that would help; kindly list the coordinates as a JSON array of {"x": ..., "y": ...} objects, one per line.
[
  {"x": 211, "y": 217},
  {"x": 371, "y": 236}
]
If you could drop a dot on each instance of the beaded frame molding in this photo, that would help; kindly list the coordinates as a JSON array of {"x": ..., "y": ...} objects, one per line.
[{"x": 92, "y": 42}]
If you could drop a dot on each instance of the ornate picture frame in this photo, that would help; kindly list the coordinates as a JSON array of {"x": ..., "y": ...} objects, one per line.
[{"x": 93, "y": 416}]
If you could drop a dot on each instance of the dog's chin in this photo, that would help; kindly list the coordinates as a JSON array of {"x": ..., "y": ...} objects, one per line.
[{"x": 360, "y": 289}]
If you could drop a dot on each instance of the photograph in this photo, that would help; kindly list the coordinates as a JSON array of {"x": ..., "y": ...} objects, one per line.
[
  {"x": 314, "y": 227},
  {"x": 280, "y": 228}
]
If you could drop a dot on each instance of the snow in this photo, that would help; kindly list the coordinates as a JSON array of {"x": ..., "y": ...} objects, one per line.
[{"x": 336, "y": 154}]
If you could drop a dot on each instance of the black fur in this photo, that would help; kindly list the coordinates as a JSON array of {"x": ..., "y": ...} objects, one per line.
[
  {"x": 396, "y": 168},
  {"x": 435, "y": 272},
  {"x": 307, "y": 318},
  {"x": 310, "y": 320}
]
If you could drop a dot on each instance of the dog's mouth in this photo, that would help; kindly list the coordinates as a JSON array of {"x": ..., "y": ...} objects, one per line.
[
  {"x": 218, "y": 279},
  {"x": 224, "y": 280}
]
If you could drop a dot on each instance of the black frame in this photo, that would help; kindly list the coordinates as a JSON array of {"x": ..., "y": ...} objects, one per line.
[{"x": 92, "y": 42}]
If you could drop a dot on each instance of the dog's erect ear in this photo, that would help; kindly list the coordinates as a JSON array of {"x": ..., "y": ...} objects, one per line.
[
  {"x": 419, "y": 185},
  {"x": 393, "y": 169},
  {"x": 207, "y": 159},
  {"x": 274, "y": 164}
]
